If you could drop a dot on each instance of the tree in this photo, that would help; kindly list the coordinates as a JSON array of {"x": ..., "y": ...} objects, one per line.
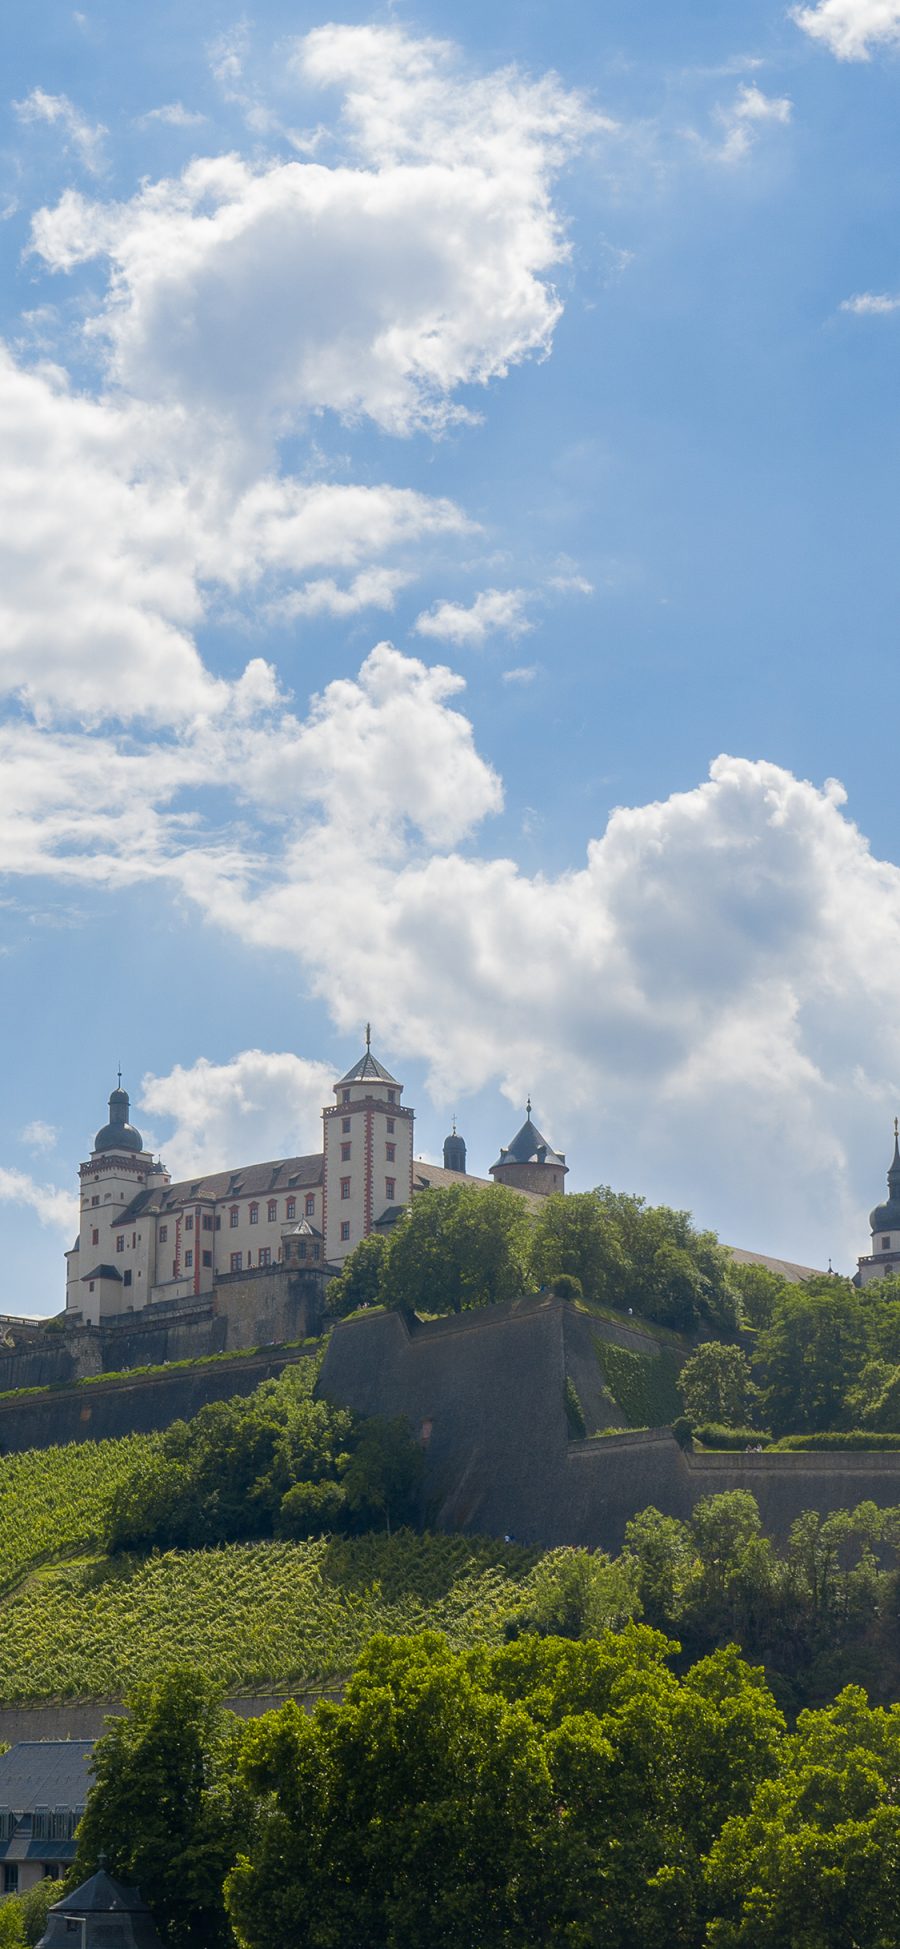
[
  {"x": 759, "y": 1291},
  {"x": 671, "y": 1272},
  {"x": 578, "y": 1594},
  {"x": 457, "y": 1247},
  {"x": 384, "y": 1475},
  {"x": 811, "y": 1354},
  {"x": 816, "y": 1860},
  {"x": 715, "y": 1385},
  {"x": 575, "y": 1235},
  {"x": 361, "y": 1279},
  {"x": 168, "y": 1807},
  {"x": 36, "y": 1904}
]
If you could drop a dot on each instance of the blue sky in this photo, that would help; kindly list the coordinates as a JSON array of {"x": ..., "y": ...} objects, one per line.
[{"x": 555, "y": 348}]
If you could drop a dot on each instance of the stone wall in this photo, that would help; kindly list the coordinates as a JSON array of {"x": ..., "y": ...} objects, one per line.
[
  {"x": 485, "y": 1395},
  {"x": 101, "y": 1410}
]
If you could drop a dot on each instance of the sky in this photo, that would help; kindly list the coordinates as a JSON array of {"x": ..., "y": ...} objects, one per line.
[{"x": 449, "y": 579}]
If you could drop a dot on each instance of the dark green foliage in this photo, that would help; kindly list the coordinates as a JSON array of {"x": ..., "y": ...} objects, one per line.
[
  {"x": 273, "y": 1462},
  {"x": 715, "y": 1385},
  {"x": 759, "y": 1291},
  {"x": 669, "y": 1270},
  {"x": 811, "y": 1353},
  {"x": 577, "y": 1594},
  {"x": 566, "y": 1286},
  {"x": 714, "y": 1434},
  {"x": 843, "y": 1438},
  {"x": 574, "y": 1412},
  {"x": 643, "y": 1386},
  {"x": 23, "y": 1917},
  {"x": 572, "y": 1236},
  {"x": 169, "y": 1807},
  {"x": 551, "y": 1795},
  {"x": 360, "y": 1281}
]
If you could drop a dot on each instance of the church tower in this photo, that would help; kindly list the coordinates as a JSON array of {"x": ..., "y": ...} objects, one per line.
[
  {"x": 368, "y": 1164},
  {"x": 529, "y": 1163},
  {"x": 885, "y": 1225},
  {"x": 117, "y": 1170}
]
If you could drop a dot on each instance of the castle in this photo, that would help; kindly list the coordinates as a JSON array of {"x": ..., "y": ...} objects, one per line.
[{"x": 146, "y": 1242}]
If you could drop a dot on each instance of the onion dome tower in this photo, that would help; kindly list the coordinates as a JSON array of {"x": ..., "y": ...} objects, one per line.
[
  {"x": 529, "y": 1163},
  {"x": 454, "y": 1151},
  {"x": 884, "y": 1223},
  {"x": 118, "y": 1134}
]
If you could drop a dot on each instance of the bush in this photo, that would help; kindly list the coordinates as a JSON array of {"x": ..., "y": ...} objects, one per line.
[
  {"x": 574, "y": 1411},
  {"x": 846, "y": 1438},
  {"x": 312, "y": 1508},
  {"x": 566, "y": 1286},
  {"x": 714, "y": 1435},
  {"x": 683, "y": 1431}
]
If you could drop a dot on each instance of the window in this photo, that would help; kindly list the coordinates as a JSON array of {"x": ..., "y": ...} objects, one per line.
[
  {"x": 254, "y": 1214},
  {"x": 885, "y": 1243},
  {"x": 120, "y": 1242},
  {"x": 96, "y": 1201},
  {"x": 237, "y": 1261},
  {"x": 345, "y": 1096},
  {"x": 163, "y": 1234},
  {"x": 392, "y": 1096},
  {"x": 218, "y": 1221},
  {"x": 207, "y": 1222},
  {"x": 316, "y": 1244},
  {"x": 290, "y": 1210},
  {"x": 189, "y": 1257},
  {"x": 10, "y": 1877},
  {"x": 189, "y": 1222},
  {"x": 207, "y": 1258},
  {"x": 126, "y": 1276},
  {"x": 390, "y": 1125},
  {"x": 91, "y": 1282},
  {"x": 390, "y": 1152},
  {"x": 133, "y": 1240},
  {"x": 345, "y": 1187},
  {"x": 233, "y": 1216},
  {"x": 345, "y": 1159},
  {"x": 345, "y": 1232},
  {"x": 272, "y": 1210},
  {"x": 310, "y": 1204},
  {"x": 265, "y": 1255},
  {"x": 390, "y": 1186},
  {"x": 345, "y": 1126}
]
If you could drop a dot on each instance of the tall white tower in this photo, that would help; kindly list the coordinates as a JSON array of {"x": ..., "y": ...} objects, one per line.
[
  {"x": 118, "y": 1168},
  {"x": 885, "y": 1223},
  {"x": 368, "y": 1144}
]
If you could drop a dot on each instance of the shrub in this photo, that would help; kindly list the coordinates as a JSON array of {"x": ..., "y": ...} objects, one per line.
[
  {"x": 683, "y": 1431},
  {"x": 574, "y": 1411},
  {"x": 566, "y": 1286},
  {"x": 845, "y": 1438},
  {"x": 714, "y": 1435}
]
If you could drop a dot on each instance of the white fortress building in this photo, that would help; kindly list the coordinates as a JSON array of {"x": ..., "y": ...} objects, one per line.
[{"x": 144, "y": 1240}]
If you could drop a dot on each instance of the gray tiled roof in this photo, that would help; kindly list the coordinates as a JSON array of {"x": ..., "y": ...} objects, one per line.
[
  {"x": 247, "y": 1181},
  {"x": 45, "y": 1773},
  {"x": 369, "y": 1069}
]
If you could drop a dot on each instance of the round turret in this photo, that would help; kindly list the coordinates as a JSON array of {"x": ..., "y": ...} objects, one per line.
[
  {"x": 454, "y": 1151},
  {"x": 886, "y": 1218},
  {"x": 118, "y": 1133}
]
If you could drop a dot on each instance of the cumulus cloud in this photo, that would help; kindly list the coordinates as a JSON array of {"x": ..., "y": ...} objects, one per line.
[
  {"x": 851, "y": 28},
  {"x": 56, "y": 1209},
  {"x": 872, "y": 304},
  {"x": 258, "y": 1105},
  {"x": 82, "y": 138},
  {"x": 493, "y": 611},
  {"x": 417, "y": 263},
  {"x": 175, "y": 116}
]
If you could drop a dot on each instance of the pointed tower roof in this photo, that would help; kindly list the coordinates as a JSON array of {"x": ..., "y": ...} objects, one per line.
[
  {"x": 528, "y": 1146},
  {"x": 886, "y": 1218},
  {"x": 368, "y": 1069}
]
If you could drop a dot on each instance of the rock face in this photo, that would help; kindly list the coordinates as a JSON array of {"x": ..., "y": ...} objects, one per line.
[{"x": 485, "y": 1394}]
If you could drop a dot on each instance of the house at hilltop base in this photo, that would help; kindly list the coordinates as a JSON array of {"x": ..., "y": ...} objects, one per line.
[
  {"x": 44, "y": 1785},
  {"x": 145, "y": 1242},
  {"x": 101, "y": 1914}
]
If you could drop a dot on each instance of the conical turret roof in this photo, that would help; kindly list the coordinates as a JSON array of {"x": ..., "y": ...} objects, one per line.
[{"x": 529, "y": 1146}]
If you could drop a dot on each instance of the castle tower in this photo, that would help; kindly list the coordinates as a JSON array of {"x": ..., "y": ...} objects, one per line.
[
  {"x": 118, "y": 1169},
  {"x": 529, "y": 1163},
  {"x": 454, "y": 1151},
  {"x": 368, "y": 1145},
  {"x": 885, "y": 1226}
]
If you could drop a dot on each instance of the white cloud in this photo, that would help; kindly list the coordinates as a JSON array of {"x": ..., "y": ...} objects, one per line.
[
  {"x": 175, "y": 116},
  {"x": 743, "y": 117},
  {"x": 851, "y": 28},
  {"x": 525, "y": 673},
  {"x": 55, "y": 1208},
  {"x": 379, "y": 285},
  {"x": 256, "y": 1106},
  {"x": 493, "y": 610},
  {"x": 872, "y": 304},
  {"x": 83, "y": 138},
  {"x": 40, "y": 1136},
  {"x": 374, "y": 588}
]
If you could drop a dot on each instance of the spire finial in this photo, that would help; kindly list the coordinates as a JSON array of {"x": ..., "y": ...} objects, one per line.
[
  {"x": 368, "y": 1035},
  {"x": 120, "y": 1085},
  {"x": 454, "y": 1126},
  {"x": 896, "y": 1127},
  {"x": 528, "y": 1106}
]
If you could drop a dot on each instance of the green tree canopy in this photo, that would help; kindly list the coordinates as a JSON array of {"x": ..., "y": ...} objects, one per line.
[
  {"x": 575, "y": 1235},
  {"x": 455, "y": 1247},
  {"x": 715, "y": 1385},
  {"x": 811, "y": 1354}
]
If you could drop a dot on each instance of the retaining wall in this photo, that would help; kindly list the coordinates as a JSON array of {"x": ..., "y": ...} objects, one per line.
[{"x": 98, "y": 1411}]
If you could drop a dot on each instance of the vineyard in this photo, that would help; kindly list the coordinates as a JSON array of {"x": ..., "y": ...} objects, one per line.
[
  {"x": 257, "y": 1617},
  {"x": 53, "y": 1501}
]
